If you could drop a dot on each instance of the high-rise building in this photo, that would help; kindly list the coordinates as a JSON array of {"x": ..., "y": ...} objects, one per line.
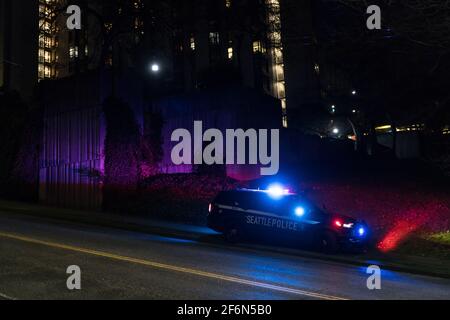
[
  {"x": 48, "y": 38},
  {"x": 18, "y": 21},
  {"x": 230, "y": 41},
  {"x": 302, "y": 65},
  {"x": 2, "y": 43},
  {"x": 276, "y": 54},
  {"x": 197, "y": 43},
  {"x": 64, "y": 52}
]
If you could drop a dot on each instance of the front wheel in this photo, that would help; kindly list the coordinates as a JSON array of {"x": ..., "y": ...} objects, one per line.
[
  {"x": 328, "y": 243},
  {"x": 232, "y": 235}
]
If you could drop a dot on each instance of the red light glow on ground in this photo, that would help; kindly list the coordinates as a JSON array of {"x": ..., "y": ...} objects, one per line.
[{"x": 402, "y": 230}]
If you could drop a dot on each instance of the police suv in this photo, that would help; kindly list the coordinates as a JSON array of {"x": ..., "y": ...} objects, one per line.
[{"x": 278, "y": 214}]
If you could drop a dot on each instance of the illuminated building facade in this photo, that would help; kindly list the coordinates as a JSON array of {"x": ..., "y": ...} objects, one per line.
[
  {"x": 240, "y": 41},
  {"x": 63, "y": 52},
  {"x": 276, "y": 54},
  {"x": 252, "y": 43},
  {"x": 48, "y": 39}
]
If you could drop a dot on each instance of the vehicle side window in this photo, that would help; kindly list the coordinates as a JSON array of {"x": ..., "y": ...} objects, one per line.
[
  {"x": 252, "y": 201},
  {"x": 283, "y": 207},
  {"x": 265, "y": 203},
  {"x": 261, "y": 201},
  {"x": 233, "y": 199},
  {"x": 317, "y": 215},
  {"x": 239, "y": 200}
]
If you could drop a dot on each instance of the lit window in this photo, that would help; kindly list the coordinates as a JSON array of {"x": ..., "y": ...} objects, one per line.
[
  {"x": 73, "y": 52},
  {"x": 47, "y": 72},
  {"x": 317, "y": 68},
  {"x": 109, "y": 60},
  {"x": 258, "y": 47},
  {"x": 230, "y": 53},
  {"x": 137, "y": 4},
  {"x": 285, "y": 121},
  {"x": 41, "y": 71},
  {"x": 214, "y": 38},
  {"x": 48, "y": 56}
]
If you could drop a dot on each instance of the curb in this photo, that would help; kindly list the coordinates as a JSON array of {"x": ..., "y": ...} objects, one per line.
[{"x": 186, "y": 235}]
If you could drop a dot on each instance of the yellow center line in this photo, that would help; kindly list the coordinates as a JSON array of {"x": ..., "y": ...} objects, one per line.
[{"x": 163, "y": 266}]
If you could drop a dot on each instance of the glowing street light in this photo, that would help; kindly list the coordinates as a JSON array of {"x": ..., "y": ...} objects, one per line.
[
  {"x": 354, "y": 92},
  {"x": 155, "y": 67},
  {"x": 335, "y": 130}
]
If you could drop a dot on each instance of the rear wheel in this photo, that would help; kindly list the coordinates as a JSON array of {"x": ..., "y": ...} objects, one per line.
[{"x": 328, "y": 243}]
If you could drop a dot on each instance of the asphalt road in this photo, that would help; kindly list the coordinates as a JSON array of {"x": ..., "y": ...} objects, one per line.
[{"x": 35, "y": 254}]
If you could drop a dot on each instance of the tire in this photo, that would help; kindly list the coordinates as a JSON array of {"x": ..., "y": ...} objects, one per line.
[
  {"x": 328, "y": 243},
  {"x": 232, "y": 235}
]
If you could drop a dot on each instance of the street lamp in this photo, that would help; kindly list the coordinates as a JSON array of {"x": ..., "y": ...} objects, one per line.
[
  {"x": 333, "y": 109},
  {"x": 335, "y": 130},
  {"x": 155, "y": 68},
  {"x": 354, "y": 92}
]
